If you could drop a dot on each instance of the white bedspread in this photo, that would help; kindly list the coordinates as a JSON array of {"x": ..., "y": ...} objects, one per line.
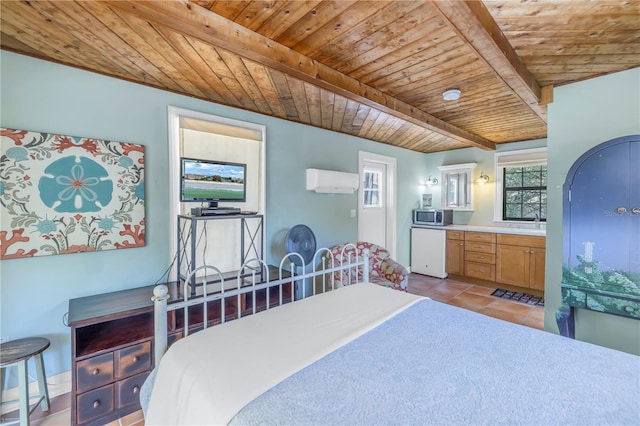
[{"x": 200, "y": 381}]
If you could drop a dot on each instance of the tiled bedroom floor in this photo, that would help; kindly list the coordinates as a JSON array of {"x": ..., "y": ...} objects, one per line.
[
  {"x": 469, "y": 296},
  {"x": 476, "y": 298}
]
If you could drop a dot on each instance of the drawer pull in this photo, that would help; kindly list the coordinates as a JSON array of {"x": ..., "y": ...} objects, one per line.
[
  {"x": 95, "y": 371},
  {"x": 136, "y": 359},
  {"x": 96, "y": 403},
  {"x": 135, "y": 389}
]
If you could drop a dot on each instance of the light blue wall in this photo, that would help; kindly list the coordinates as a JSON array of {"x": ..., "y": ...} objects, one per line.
[
  {"x": 582, "y": 116},
  {"x": 43, "y": 96},
  {"x": 291, "y": 151}
]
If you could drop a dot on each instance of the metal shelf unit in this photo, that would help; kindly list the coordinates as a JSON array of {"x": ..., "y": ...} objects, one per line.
[{"x": 252, "y": 226}]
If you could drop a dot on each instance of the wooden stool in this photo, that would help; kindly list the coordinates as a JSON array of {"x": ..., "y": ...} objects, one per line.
[{"x": 19, "y": 352}]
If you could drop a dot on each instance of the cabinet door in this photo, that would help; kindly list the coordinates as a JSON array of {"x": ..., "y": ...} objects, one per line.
[
  {"x": 512, "y": 265},
  {"x": 537, "y": 268},
  {"x": 455, "y": 257},
  {"x": 600, "y": 218}
]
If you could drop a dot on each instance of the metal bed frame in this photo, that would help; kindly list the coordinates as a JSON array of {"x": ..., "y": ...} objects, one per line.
[{"x": 346, "y": 266}]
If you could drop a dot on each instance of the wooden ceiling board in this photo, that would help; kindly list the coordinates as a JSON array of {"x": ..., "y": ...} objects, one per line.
[
  {"x": 290, "y": 13},
  {"x": 34, "y": 30},
  {"x": 374, "y": 69},
  {"x": 194, "y": 67},
  {"x": 212, "y": 29},
  {"x": 406, "y": 28},
  {"x": 348, "y": 39},
  {"x": 352, "y": 17},
  {"x": 75, "y": 20},
  {"x": 313, "y": 20},
  {"x": 409, "y": 85},
  {"x": 262, "y": 78},
  {"x": 439, "y": 42},
  {"x": 230, "y": 9},
  {"x": 598, "y": 32},
  {"x": 255, "y": 14},
  {"x": 145, "y": 41}
]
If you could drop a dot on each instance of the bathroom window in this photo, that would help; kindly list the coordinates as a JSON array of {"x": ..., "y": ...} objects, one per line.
[{"x": 457, "y": 190}]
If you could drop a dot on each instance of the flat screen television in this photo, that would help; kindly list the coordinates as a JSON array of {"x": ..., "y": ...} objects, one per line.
[{"x": 212, "y": 181}]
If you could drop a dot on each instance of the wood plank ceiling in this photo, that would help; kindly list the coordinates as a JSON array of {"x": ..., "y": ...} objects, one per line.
[{"x": 374, "y": 69}]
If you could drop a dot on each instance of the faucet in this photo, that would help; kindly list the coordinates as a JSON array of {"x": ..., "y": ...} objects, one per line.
[{"x": 537, "y": 220}]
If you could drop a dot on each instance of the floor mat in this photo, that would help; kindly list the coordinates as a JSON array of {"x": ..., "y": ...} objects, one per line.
[{"x": 517, "y": 296}]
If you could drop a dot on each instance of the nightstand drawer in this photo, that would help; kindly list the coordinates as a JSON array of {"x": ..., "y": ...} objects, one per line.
[
  {"x": 95, "y": 404},
  {"x": 479, "y": 247},
  {"x": 128, "y": 390},
  {"x": 134, "y": 359},
  {"x": 94, "y": 372},
  {"x": 480, "y": 270},
  {"x": 480, "y": 257}
]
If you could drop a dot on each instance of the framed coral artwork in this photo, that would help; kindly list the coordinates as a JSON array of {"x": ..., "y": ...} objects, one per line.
[{"x": 66, "y": 194}]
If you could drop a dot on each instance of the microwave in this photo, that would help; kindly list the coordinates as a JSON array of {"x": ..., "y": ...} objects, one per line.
[{"x": 432, "y": 217}]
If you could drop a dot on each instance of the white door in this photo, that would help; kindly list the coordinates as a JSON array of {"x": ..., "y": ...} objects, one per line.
[{"x": 376, "y": 200}]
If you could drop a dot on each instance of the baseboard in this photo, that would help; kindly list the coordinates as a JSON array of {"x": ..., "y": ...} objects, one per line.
[{"x": 57, "y": 385}]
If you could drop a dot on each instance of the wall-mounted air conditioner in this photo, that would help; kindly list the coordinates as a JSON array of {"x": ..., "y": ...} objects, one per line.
[{"x": 331, "y": 182}]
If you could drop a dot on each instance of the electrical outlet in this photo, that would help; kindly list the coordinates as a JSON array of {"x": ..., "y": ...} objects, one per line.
[{"x": 353, "y": 212}]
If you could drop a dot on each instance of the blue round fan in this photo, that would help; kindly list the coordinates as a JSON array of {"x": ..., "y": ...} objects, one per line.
[{"x": 300, "y": 239}]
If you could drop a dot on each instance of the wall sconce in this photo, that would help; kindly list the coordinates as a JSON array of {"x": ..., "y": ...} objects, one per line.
[
  {"x": 482, "y": 179},
  {"x": 431, "y": 182}
]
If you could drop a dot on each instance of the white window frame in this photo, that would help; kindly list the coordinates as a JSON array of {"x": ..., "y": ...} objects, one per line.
[
  {"x": 379, "y": 190},
  {"x": 522, "y": 157},
  {"x": 453, "y": 169}
]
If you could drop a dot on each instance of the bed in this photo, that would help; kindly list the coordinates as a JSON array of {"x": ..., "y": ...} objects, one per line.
[{"x": 365, "y": 354}]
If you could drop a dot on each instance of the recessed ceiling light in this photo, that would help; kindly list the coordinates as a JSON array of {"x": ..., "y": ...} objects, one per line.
[{"x": 451, "y": 95}]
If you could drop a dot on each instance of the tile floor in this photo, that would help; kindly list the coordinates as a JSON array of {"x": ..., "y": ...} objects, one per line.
[
  {"x": 476, "y": 298},
  {"x": 469, "y": 296}
]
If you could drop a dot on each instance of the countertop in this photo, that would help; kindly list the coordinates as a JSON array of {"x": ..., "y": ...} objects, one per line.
[{"x": 496, "y": 229}]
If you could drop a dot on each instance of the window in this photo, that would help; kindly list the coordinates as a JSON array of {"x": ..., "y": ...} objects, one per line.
[
  {"x": 456, "y": 186},
  {"x": 521, "y": 185},
  {"x": 525, "y": 193},
  {"x": 371, "y": 189}
]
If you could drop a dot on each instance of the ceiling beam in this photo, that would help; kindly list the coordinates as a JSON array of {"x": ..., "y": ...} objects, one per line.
[
  {"x": 474, "y": 23},
  {"x": 190, "y": 19}
]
